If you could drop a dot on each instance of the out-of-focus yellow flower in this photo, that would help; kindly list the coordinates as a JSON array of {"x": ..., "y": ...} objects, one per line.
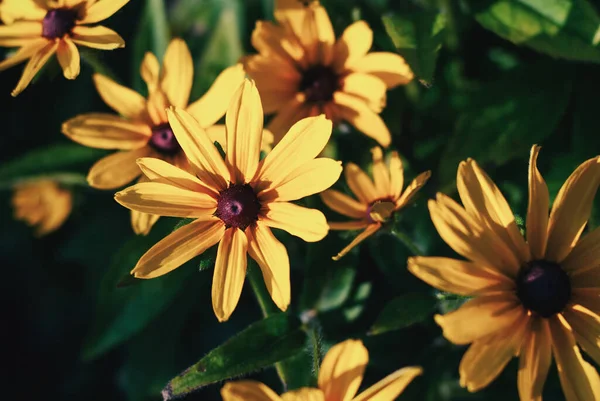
[
  {"x": 43, "y": 204},
  {"x": 377, "y": 201},
  {"x": 142, "y": 129},
  {"x": 235, "y": 201},
  {"x": 340, "y": 376},
  {"x": 41, "y": 28},
  {"x": 301, "y": 70},
  {"x": 534, "y": 299}
]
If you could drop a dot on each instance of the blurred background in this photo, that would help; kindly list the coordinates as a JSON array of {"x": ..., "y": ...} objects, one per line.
[{"x": 494, "y": 77}]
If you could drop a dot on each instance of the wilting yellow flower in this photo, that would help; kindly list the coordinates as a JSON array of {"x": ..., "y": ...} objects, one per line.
[
  {"x": 301, "y": 70},
  {"x": 143, "y": 129},
  {"x": 377, "y": 201},
  {"x": 43, "y": 204},
  {"x": 340, "y": 376},
  {"x": 236, "y": 200},
  {"x": 533, "y": 299},
  {"x": 41, "y": 28}
]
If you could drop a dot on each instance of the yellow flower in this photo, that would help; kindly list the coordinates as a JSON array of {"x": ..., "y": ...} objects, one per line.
[
  {"x": 340, "y": 376},
  {"x": 236, "y": 200},
  {"x": 143, "y": 129},
  {"x": 301, "y": 70},
  {"x": 41, "y": 28},
  {"x": 43, "y": 204},
  {"x": 377, "y": 201},
  {"x": 534, "y": 299}
]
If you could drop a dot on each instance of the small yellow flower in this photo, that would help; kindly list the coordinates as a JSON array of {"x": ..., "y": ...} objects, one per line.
[
  {"x": 43, "y": 204},
  {"x": 236, "y": 200},
  {"x": 377, "y": 201},
  {"x": 301, "y": 70},
  {"x": 41, "y": 28},
  {"x": 340, "y": 376},
  {"x": 142, "y": 129},
  {"x": 534, "y": 299}
]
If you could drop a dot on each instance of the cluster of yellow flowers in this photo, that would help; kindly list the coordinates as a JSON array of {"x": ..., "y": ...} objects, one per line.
[{"x": 536, "y": 297}]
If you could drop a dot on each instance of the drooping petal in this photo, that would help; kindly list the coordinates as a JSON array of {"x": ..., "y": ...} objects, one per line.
[
  {"x": 180, "y": 246},
  {"x": 342, "y": 370},
  {"x": 534, "y": 362},
  {"x": 150, "y": 70},
  {"x": 354, "y": 43},
  {"x": 177, "y": 73},
  {"x": 308, "y": 224},
  {"x": 304, "y": 394},
  {"x": 230, "y": 272},
  {"x": 586, "y": 328},
  {"x": 124, "y": 101},
  {"x": 97, "y": 37},
  {"x": 106, "y": 131},
  {"x": 142, "y": 222},
  {"x": 25, "y": 52},
  {"x": 158, "y": 170},
  {"x": 412, "y": 189},
  {"x": 101, "y": 10},
  {"x": 343, "y": 204},
  {"x": 272, "y": 257},
  {"x": 348, "y": 225},
  {"x": 68, "y": 57},
  {"x": 361, "y": 185},
  {"x": 357, "y": 112},
  {"x": 391, "y": 386},
  {"x": 368, "y": 88},
  {"x": 391, "y": 68},
  {"x": 571, "y": 209},
  {"x": 116, "y": 170},
  {"x": 585, "y": 255},
  {"x": 370, "y": 230},
  {"x": 537, "y": 209},
  {"x": 34, "y": 65},
  {"x": 248, "y": 390}
]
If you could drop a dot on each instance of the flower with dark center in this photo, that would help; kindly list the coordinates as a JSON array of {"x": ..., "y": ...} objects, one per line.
[
  {"x": 543, "y": 287},
  {"x": 238, "y": 206},
  {"x": 319, "y": 83},
  {"x": 58, "y": 22},
  {"x": 163, "y": 140}
]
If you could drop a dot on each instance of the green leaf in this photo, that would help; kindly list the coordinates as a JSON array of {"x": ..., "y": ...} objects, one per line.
[
  {"x": 260, "y": 345},
  {"x": 567, "y": 29},
  {"x": 337, "y": 288},
  {"x": 418, "y": 37},
  {"x": 449, "y": 302},
  {"x": 404, "y": 311}
]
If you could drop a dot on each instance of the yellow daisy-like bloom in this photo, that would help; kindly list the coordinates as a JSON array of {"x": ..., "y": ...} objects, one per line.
[
  {"x": 340, "y": 376},
  {"x": 377, "y": 200},
  {"x": 43, "y": 204},
  {"x": 301, "y": 70},
  {"x": 236, "y": 200},
  {"x": 41, "y": 28},
  {"x": 534, "y": 299},
  {"x": 143, "y": 129}
]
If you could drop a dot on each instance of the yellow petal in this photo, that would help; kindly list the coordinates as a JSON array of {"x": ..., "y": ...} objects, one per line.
[
  {"x": 537, "y": 209},
  {"x": 586, "y": 328},
  {"x": 150, "y": 70},
  {"x": 68, "y": 57},
  {"x": 313, "y": 177},
  {"x": 212, "y": 106},
  {"x": 308, "y": 224},
  {"x": 370, "y": 230},
  {"x": 571, "y": 209},
  {"x": 157, "y": 104},
  {"x": 389, "y": 67},
  {"x": 276, "y": 43},
  {"x": 368, "y": 88},
  {"x": 361, "y": 185},
  {"x": 585, "y": 255},
  {"x": 342, "y": 370},
  {"x": 412, "y": 189},
  {"x": 97, "y": 37},
  {"x": 391, "y": 386},
  {"x": 27, "y": 51},
  {"x": 106, "y": 131},
  {"x": 11, "y": 10},
  {"x": 199, "y": 149},
  {"x": 381, "y": 175},
  {"x": 180, "y": 246},
  {"x": 486, "y": 358},
  {"x": 230, "y": 272},
  {"x": 160, "y": 171},
  {"x": 288, "y": 114},
  {"x": 124, "y": 101},
  {"x": 116, "y": 170},
  {"x": 166, "y": 200},
  {"x": 589, "y": 298},
  {"x": 244, "y": 121},
  {"x": 272, "y": 257},
  {"x": 344, "y": 204},
  {"x": 348, "y": 225},
  {"x": 458, "y": 276},
  {"x": 247, "y": 390},
  {"x": 142, "y": 222},
  {"x": 177, "y": 73},
  {"x": 35, "y": 64},
  {"x": 586, "y": 279},
  {"x": 571, "y": 371},
  {"x": 534, "y": 362},
  {"x": 357, "y": 112},
  {"x": 354, "y": 43},
  {"x": 101, "y": 10},
  {"x": 481, "y": 317},
  {"x": 21, "y": 29},
  {"x": 304, "y": 394}
]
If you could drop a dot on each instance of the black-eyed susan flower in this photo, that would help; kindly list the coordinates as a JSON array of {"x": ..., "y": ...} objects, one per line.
[
  {"x": 41, "y": 28},
  {"x": 376, "y": 200},
  {"x": 536, "y": 299},
  {"x": 142, "y": 129},
  {"x": 42, "y": 204},
  {"x": 235, "y": 201},
  {"x": 301, "y": 70},
  {"x": 340, "y": 376}
]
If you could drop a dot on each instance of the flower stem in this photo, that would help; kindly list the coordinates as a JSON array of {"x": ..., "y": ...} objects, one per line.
[{"x": 407, "y": 243}]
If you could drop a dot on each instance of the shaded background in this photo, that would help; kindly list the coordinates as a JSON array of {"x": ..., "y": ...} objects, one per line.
[{"x": 495, "y": 77}]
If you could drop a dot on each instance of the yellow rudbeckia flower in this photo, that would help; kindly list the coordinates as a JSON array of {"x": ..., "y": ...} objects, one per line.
[
  {"x": 142, "y": 129},
  {"x": 236, "y": 200},
  {"x": 377, "y": 200},
  {"x": 301, "y": 70},
  {"x": 43, "y": 204},
  {"x": 41, "y": 28},
  {"x": 536, "y": 299},
  {"x": 340, "y": 376}
]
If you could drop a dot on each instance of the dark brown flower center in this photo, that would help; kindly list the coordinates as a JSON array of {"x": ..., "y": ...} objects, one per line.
[
  {"x": 543, "y": 287},
  {"x": 319, "y": 83},
  {"x": 238, "y": 206},
  {"x": 58, "y": 22},
  {"x": 380, "y": 211},
  {"x": 163, "y": 140}
]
